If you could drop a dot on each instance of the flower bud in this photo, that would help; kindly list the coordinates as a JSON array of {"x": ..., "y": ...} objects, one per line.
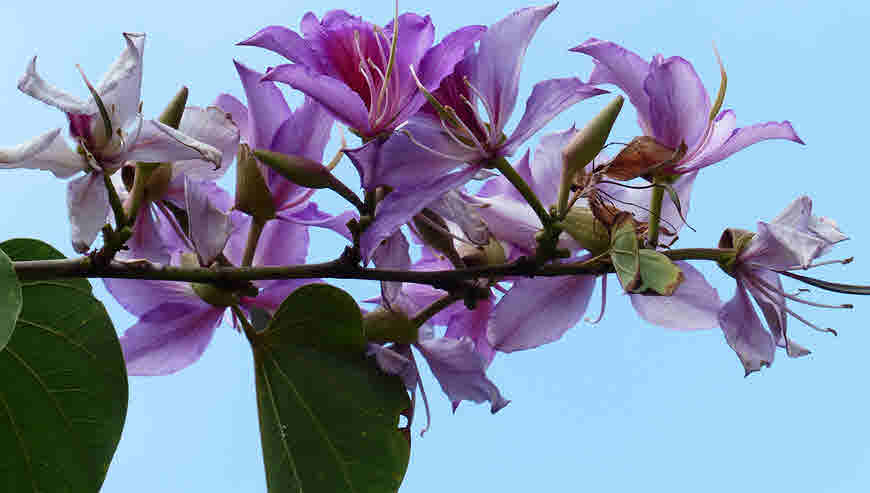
[
  {"x": 214, "y": 295},
  {"x": 382, "y": 326},
  {"x": 158, "y": 180},
  {"x": 252, "y": 195},
  {"x": 586, "y": 145},
  {"x": 589, "y": 232},
  {"x": 171, "y": 116},
  {"x": 300, "y": 170}
]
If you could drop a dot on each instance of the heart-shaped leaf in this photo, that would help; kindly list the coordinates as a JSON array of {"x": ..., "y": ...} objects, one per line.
[
  {"x": 624, "y": 251},
  {"x": 10, "y": 299},
  {"x": 328, "y": 416},
  {"x": 63, "y": 399},
  {"x": 658, "y": 273}
]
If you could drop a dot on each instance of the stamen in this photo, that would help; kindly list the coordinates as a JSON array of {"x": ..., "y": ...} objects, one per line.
[
  {"x": 425, "y": 402},
  {"x": 455, "y": 137},
  {"x": 363, "y": 68},
  {"x": 809, "y": 324},
  {"x": 391, "y": 61},
  {"x": 759, "y": 281},
  {"x": 464, "y": 128},
  {"x": 827, "y": 262},
  {"x": 175, "y": 226},
  {"x": 493, "y": 124},
  {"x": 603, "y": 301},
  {"x": 442, "y": 112},
  {"x": 429, "y": 149}
]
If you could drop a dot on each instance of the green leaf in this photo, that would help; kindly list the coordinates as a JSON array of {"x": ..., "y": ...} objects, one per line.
[
  {"x": 63, "y": 399},
  {"x": 328, "y": 416},
  {"x": 10, "y": 299},
  {"x": 658, "y": 273},
  {"x": 624, "y": 251}
]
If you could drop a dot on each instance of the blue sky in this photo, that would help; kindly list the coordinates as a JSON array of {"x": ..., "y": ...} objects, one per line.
[{"x": 617, "y": 406}]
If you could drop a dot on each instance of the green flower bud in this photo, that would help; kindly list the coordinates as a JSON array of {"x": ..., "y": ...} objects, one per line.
[
  {"x": 171, "y": 116},
  {"x": 214, "y": 295},
  {"x": 252, "y": 195},
  {"x": 300, "y": 170},
  {"x": 586, "y": 145},
  {"x": 490, "y": 254},
  {"x": 382, "y": 326}
]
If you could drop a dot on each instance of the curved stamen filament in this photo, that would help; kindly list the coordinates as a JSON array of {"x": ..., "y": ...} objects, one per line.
[
  {"x": 429, "y": 149},
  {"x": 810, "y": 324},
  {"x": 490, "y": 111},
  {"x": 432, "y": 224},
  {"x": 464, "y": 128},
  {"x": 451, "y": 132},
  {"x": 603, "y": 301},
  {"x": 477, "y": 118},
  {"x": 827, "y": 262},
  {"x": 761, "y": 283}
]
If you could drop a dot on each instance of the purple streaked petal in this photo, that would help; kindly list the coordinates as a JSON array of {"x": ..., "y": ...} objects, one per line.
[
  {"x": 147, "y": 241},
  {"x": 49, "y": 152},
  {"x": 210, "y": 227},
  {"x": 454, "y": 208},
  {"x": 161, "y": 143},
  {"x": 637, "y": 201},
  {"x": 694, "y": 305},
  {"x": 781, "y": 247},
  {"x": 32, "y": 84},
  {"x": 509, "y": 220},
  {"x": 238, "y": 112},
  {"x": 121, "y": 86},
  {"x": 679, "y": 108},
  {"x": 415, "y": 37},
  {"x": 392, "y": 254},
  {"x": 169, "y": 338},
  {"x": 286, "y": 43},
  {"x": 538, "y": 311},
  {"x": 401, "y": 205},
  {"x": 311, "y": 215},
  {"x": 438, "y": 63},
  {"x": 500, "y": 59},
  {"x": 267, "y": 109},
  {"x": 772, "y": 305},
  {"x": 461, "y": 371},
  {"x": 336, "y": 96},
  {"x": 214, "y": 127},
  {"x": 744, "y": 332},
  {"x": 473, "y": 324},
  {"x": 727, "y": 139},
  {"x": 88, "y": 203},
  {"x": 547, "y": 165},
  {"x": 622, "y": 68},
  {"x": 548, "y": 99}
]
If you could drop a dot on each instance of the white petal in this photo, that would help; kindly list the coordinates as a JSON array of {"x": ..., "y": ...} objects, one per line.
[
  {"x": 161, "y": 143},
  {"x": 214, "y": 127},
  {"x": 121, "y": 86},
  {"x": 48, "y": 152},
  {"x": 32, "y": 84},
  {"x": 88, "y": 203}
]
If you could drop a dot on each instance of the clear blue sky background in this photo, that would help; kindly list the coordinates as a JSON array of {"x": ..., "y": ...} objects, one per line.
[{"x": 618, "y": 406}]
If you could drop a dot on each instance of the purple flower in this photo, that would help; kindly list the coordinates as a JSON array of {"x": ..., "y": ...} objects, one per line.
[
  {"x": 417, "y": 162},
  {"x": 347, "y": 64},
  {"x": 268, "y": 123},
  {"x": 673, "y": 106},
  {"x": 458, "y": 359},
  {"x": 792, "y": 241},
  {"x": 177, "y": 320},
  {"x": 540, "y": 310},
  {"x": 130, "y": 138}
]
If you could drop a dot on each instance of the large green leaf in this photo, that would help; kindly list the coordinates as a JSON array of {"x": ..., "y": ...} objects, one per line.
[
  {"x": 63, "y": 398},
  {"x": 10, "y": 299},
  {"x": 328, "y": 416}
]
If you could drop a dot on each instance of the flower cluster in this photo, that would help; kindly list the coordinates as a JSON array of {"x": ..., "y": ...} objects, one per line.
[{"x": 521, "y": 245}]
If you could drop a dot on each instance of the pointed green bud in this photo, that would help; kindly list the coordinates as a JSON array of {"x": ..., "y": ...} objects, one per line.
[
  {"x": 382, "y": 326},
  {"x": 252, "y": 195},
  {"x": 736, "y": 239},
  {"x": 300, "y": 170},
  {"x": 434, "y": 232},
  {"x": 171, "y": 116},
  {"x": 586, "y": 229},
  {"x": 586, "y": 145}
]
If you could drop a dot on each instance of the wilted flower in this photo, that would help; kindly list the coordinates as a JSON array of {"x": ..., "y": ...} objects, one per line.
[{"x": 792, "y": 241}]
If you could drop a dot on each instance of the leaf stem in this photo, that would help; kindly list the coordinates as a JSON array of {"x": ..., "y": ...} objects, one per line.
[
  {"x": 257, "y": 226},
  {"x": 655, "y": 213}
]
